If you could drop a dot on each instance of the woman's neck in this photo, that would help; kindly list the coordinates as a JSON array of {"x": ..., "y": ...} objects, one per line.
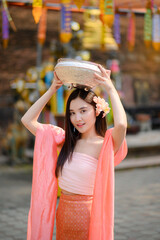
[{"x": 90, "y": 134}]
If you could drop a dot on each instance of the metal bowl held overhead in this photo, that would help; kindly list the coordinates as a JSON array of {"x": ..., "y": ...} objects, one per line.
[{"x": 77, "y": 73}]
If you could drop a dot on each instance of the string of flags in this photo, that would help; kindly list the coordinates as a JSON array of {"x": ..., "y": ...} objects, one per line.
[
  {"x": 42, "y": 26},
  {"x": 79, "y": 3},
  {"x": 148, "y": 25},
  {"x": 65, "y": 31},
  {"x": 109, "y": 16},
  {"x": 37, "y": 10},
  {"x": 117, "y": 34},
  {"x": 6, "y": 20},
  {"x": 131, "y": 31},
  {"x": 156, "y": 30},
  {"x": 5, "y": 28},
  {"x": 5, "y": 8},
  {"x": 107, "y": 12}
]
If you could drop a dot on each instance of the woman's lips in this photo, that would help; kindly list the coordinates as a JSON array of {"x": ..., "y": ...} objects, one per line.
[{"x": 80, "y": 125}]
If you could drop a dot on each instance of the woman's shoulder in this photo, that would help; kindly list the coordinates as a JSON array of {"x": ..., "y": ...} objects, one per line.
[
  {"x": 56, "y": 131},
  {"x": 59, "y": 134}
]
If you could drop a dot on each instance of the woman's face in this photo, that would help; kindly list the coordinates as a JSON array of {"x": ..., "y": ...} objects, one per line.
[{"x": 82, "y": 115}]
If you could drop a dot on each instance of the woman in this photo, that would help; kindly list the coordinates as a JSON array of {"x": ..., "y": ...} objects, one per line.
[{"x": 84, "y": 167}]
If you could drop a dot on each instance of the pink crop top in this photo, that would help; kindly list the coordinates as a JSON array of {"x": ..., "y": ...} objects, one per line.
[{"x": 78, "y": 176}]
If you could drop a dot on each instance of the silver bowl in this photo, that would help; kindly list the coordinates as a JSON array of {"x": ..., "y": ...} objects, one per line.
[{"x": 77, "y": 73}]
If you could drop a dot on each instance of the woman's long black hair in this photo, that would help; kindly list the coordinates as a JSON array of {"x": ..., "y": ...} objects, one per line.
[{"x": 71, "y": 137}]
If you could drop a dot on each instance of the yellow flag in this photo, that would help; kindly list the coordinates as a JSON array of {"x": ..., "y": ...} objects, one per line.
[
  {"x": 37, "y": 10},
  {"x": 79, "y": 3}
]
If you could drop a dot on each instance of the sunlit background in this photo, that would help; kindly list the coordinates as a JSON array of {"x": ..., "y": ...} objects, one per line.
[{"x": 123, "y": 36}]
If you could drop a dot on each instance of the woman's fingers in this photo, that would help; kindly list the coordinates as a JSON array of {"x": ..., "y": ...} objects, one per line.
[
  {"x": 108, "y": 73},
  {"x": 55, "y": 75},
  {"x": 102, "y": 70},
  {"x": 105, "y": 72},
  {"x": 57, "y": 83},
  {"x": 57, "y": 79},
  {"x": 98, "y": 77}
]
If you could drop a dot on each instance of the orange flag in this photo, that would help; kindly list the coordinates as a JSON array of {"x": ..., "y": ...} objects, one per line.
[
  {"x": 42, "y": 26},
  {"x": 107, "y": 12}
]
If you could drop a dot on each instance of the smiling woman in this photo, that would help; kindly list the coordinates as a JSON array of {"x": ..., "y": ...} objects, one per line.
[
  {"x": 81, "y": 123},
  {"x": 83, "y": 113},
  {"x": 88, "y": 153}
]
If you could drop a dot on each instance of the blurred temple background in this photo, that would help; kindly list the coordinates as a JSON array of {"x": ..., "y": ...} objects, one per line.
[
  {"x": 123, "y": 41},
  {"x": 123, "y": 36}
]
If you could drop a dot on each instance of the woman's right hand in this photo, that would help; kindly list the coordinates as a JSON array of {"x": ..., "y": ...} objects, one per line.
[{"x": 56, "y": 84}]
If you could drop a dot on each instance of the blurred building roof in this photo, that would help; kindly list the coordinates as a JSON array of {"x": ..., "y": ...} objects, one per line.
[{"x": 123, "y": 5}]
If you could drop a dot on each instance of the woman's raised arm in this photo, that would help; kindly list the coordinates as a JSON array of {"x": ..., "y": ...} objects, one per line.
[
  {"x": 29, "y": 119},
  {"x": 120, "y": 120}
]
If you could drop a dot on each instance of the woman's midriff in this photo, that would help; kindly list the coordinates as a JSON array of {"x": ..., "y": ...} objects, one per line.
[{"x": 68, "y": 193}]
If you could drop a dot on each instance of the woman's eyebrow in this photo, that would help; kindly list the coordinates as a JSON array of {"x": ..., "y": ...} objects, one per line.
[{"x": 78, "y": 109}]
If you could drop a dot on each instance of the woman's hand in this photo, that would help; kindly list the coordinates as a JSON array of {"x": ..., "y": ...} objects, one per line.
[
  {"x": 56, "y": 84},
  {"x": 104, "y": 80}
]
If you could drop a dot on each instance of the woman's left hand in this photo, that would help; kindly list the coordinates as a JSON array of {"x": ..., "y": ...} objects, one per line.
[{"x": 104, "y": 80}]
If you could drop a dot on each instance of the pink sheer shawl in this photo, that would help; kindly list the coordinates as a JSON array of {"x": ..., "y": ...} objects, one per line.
[{"x": 44, "y": 186}]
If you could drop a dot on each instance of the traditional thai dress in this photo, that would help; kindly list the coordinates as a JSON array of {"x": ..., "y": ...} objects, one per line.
[{"x": 45, "y": 185}]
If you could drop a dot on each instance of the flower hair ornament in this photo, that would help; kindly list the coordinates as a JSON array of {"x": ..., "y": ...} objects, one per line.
[{"x": 101, "y": 105}]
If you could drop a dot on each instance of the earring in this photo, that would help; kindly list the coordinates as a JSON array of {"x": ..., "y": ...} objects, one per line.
[
  {"x": 86, "y": 89},
  {"x": 70, "y": 86},
  {"x": 74, "y": 129}
]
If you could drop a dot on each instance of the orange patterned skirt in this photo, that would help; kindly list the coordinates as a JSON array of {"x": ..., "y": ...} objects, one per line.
[{"x": 73, "y": 217}]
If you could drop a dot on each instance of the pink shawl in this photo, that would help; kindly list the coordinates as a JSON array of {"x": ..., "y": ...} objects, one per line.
[{"x": 44, "y": 186}]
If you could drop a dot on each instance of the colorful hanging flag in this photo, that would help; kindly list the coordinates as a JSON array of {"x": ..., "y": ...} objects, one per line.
[
  {"x": 4, "y": 4},
  {"x": 117, "y": 34},
  {"x": 148, "y": 25},
  {"x": 131, "y": 31},
  {"x": 60, "y": 100},
  {"x": 107, "y": 11},
  {"x": 79, "y": 3},
  {"x": 5, "y": 28},
  {"x": 65, "y": 32},
  {"x": 152, "y": 4},
  {"x": 156, "y": 31},
  {"x": 37, "y": 10},
  {"x": 101, "y": 6},
  {"x": 42, "y": 26}
]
